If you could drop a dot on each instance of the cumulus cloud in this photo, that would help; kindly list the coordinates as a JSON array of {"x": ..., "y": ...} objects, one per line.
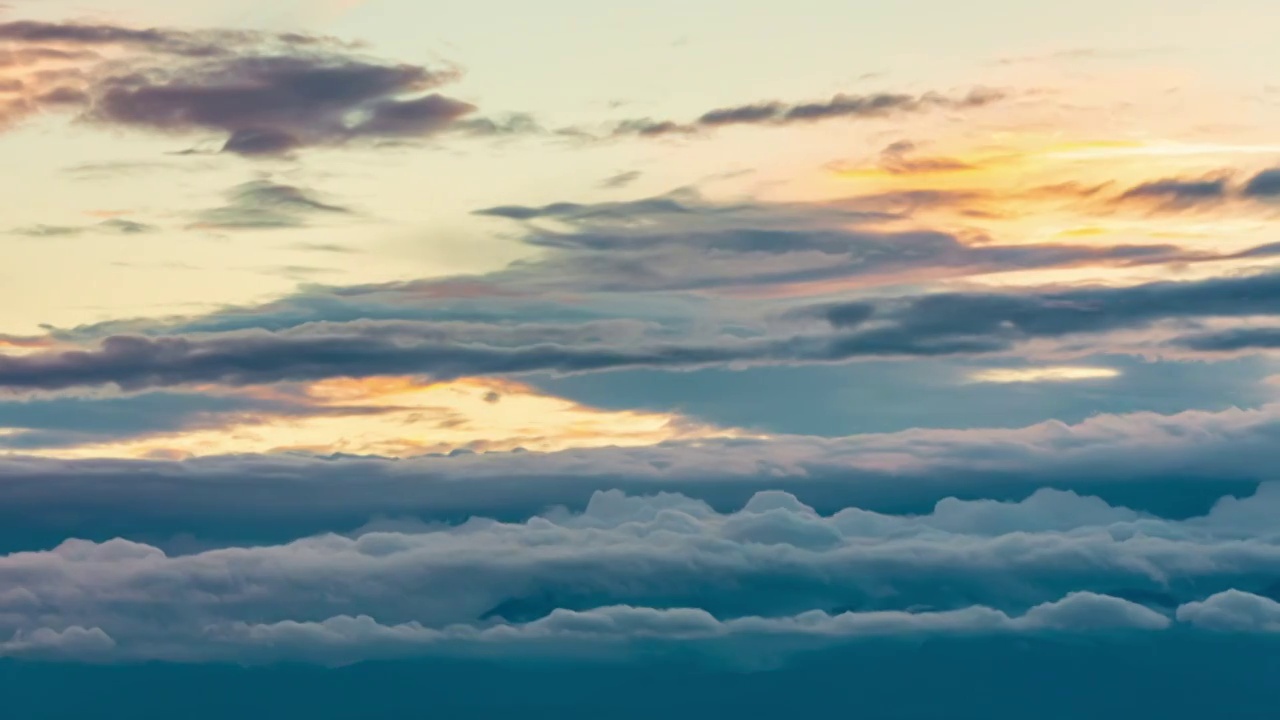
[
  {"x": 74, "y": 642},
  {"x": 1233, "y": 611},
  {"x": 665, "y": 568},
  {"x": 613, "y": 628}
]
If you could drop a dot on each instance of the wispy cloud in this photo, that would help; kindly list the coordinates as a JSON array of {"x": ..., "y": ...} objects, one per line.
[
  {"x": 266, "y": 205},
  {"x": 776, "y": 113}
]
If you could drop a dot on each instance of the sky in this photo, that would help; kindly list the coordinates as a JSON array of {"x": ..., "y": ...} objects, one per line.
[{"x": 639, "y": 358}]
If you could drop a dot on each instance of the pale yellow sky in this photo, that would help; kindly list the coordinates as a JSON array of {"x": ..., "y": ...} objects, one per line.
[{"x": 664, "y": 59}]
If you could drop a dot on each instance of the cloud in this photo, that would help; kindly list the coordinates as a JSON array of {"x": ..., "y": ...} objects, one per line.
[
  {"x": 682, "y": 242},
  {"x": 607, "y": 631},
  {"x": 930, "y": 325},
  {"x": 508, "y": 125},
  {"x": 620, "y": 180},
  {"x": 564, "y": 631},
  {"x": 1003, "y": 318},
  {"x": 112, "y": 226},
  {"x": 265, "y": 94},
  {"x": 1177, "y": 194},
  {"x": 1176, "y": 465},
  {"x": 74, "y": 642},
  {"x": 775, "y": 113},
  {"x": 899, "y": 158},
  {"x": 663, "y": 569},
  {"x": 271, "y": 105},
  {"x": 1233, "y": 611},
  {"x": 59, "y": 423},
  {"x": 1264, "y": 185},
  {"x": 267, "y": 205},
  {"x": 1232, "y": 340},
  {"x": 91, "y": 35}
]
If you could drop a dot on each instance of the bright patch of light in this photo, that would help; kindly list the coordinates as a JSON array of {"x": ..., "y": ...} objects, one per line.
[{"x": 1043, "y": 374}]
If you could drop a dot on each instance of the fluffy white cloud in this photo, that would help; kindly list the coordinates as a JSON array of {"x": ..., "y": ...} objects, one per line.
[
  {"x": 73, "y": 642},
  {"x": 1055, "y": 562},
  {"x": 606, "y": 632},
  {"x": 1233, "y": 610}
]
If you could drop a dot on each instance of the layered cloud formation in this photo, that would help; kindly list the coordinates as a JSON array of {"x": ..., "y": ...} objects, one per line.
[
  {"x": 570, "y": 387},
  {"x": 771, "y": 576}
]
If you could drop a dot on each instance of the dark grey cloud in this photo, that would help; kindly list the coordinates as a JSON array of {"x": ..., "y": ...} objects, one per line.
[
  {"x": 776, "y": 113},
  {"x": 682, "y": 242},
  {"x": 264, "y": 204},
  {"x": 1174, "y": 194},
  {"x": 1264, "y": 185},
  {"x": 1006, "y": 318},
  {"x": 930, "y": 325},
  {"x": 620, "y": 180},
  {"x": 1232, "y": 340},
  {"x": 265, "y": 94},
  {"x": 442, "y": 350},
  {"x": 59, "y": 422},
  {"x": 84, "y": 34},
  {"x": 1178, "y": 194},
  {"x": 276, "y": 104}
]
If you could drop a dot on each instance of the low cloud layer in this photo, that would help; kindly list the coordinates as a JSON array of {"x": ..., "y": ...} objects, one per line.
[
  {"x": 1173, "y": 466},
  {"x": 657, "y": 569}
]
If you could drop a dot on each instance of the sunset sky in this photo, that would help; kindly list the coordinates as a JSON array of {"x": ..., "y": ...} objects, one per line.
[{"x": 337, "y": 331}]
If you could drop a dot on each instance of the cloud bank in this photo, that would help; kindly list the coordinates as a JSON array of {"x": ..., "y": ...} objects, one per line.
[{"x": 629, "y": 571}]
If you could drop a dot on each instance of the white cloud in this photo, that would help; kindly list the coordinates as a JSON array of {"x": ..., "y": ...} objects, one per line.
[
  {"x": 1056, "y": 562},
  {"x": 1233, "y": 611},
  {"x": 605, "y": 632},
  {"x": 74, "y": 642}
]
